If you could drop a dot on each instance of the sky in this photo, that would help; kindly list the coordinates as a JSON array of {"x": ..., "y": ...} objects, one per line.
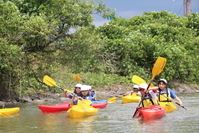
[{"x": 130, "y": 8}]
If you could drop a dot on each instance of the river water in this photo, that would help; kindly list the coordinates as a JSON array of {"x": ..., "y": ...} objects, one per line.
[{"x": 115, "y": 118}]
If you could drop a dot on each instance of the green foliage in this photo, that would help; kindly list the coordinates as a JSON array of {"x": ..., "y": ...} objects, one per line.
[
  {"x": 137, "y": 42},
  {"x": 36, "y": 38},
  {"x": 96, "y": 80}
]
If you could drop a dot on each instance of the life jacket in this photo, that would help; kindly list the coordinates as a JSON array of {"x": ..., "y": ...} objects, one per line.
[
  {"x": 164, "y": 97},
  {"x": 148, "y": 101}
]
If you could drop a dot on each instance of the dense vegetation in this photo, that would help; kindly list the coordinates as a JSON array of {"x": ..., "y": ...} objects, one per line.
[{"x": 57, "y": 38}]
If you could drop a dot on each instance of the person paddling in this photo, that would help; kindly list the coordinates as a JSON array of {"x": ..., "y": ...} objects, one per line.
[
  {"x": 135, "y": 90},
  {"x": 76, "y": 91},
  {"x": 148, "y": 97},
  {"x": 84, "y": 95},
  {"x": 165, "y": 94}
]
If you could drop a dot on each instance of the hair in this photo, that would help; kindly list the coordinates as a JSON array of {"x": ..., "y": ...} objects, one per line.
[{"x": 162, "y": 82}]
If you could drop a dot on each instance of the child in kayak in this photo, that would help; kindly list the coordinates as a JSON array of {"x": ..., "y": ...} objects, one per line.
[
  {"x": 165, "y": 94},
  {"x": 135, "y": 90},
  {"x": 148, "y": 97},
  {"x": 84, "y": 95},
  {"x": 77, "y": 91}
]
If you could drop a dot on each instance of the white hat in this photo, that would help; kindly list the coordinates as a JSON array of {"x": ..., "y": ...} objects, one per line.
[
  {"x": 89, "y": 87},
  {"x": 84, "y": 88},
  {"x": 136, "y": 86},
  {"x": 78, "y": 85},
  {"x": 143, "y": 86},
  {"x": 163, "y": 80}
]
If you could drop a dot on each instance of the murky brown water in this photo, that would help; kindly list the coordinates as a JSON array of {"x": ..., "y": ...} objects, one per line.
[{"x": 116, "y": 118}]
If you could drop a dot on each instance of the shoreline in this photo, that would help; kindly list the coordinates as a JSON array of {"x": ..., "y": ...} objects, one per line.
[{"x": 101, "y": 94}]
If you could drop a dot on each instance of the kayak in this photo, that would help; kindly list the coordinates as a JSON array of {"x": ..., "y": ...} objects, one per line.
[
  {"x": 131, "y": 98},
  {"x": 54, "y": 108},
  {"x": 78, "y": 111},
  {"x": 100, "y": 105},
  {"x": 66, "y": 105},
  {"x": 9, "y": 111},
  {"x": 169, "y": 106},
  {"x": 150, "y": 112},
  {"x": 99, "y": 101}
]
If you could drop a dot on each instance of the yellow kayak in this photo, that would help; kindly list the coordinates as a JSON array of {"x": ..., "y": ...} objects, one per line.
[
  {"x": 131, "y": 98},
  {"x": 9, "y": 111},
  {"x": 77, "y": 111},
  {"x": 169, "y": 106}
]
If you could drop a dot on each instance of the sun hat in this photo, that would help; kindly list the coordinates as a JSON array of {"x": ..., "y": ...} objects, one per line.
[
  {"x": 135, "y": 86},
  {"x": 78, "y": 85},
  {"x": 84, "y": 88},
  {"x": 89, "y": 87},
  {"x": 143, "y": 86},
  {"x": 162, "y": 80}
]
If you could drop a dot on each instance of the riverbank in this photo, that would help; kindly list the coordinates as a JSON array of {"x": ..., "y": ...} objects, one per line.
[{"x": 101, "y": 94}]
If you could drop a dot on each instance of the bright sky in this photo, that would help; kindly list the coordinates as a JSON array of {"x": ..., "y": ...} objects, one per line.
[{"x": 130, "y": 8}]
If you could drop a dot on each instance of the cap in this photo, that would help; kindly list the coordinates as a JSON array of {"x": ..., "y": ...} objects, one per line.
[
  {"x": 163, "y": 80},
  {"x": 78, "y": 85},
  {"x": 143, "y": 86},
  {"x": 136, "y": 86},
  {"x": 84, "y": 88}
]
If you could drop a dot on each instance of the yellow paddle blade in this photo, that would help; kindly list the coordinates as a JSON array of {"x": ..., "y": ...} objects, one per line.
[
  {"x": 112, "y": 99},
  {"x": 84, "y": 103},
  {"x": 49, "y": 81},
  {"x": 68, "y": 90},
  {"x": 137, "y": 80},
  {"x": 158, "y": 66},
  {"x": 76, "y": 77}
]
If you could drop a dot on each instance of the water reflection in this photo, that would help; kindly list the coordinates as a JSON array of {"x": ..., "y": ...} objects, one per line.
[
  {"x": 155, "y": 126},
  {"x": 53, "y": 122}
]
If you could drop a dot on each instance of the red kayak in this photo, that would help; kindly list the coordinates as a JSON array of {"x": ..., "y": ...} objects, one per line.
[
  {"x": 150, "y": 112},
  {"x": 99, "y": 105},
  {"x": 65, "y": 106}
]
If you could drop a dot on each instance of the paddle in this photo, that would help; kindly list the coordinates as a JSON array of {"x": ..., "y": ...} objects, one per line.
[
  {"x": 137, "y": 80},
  {"x": 156, "y": 70},
  {"x": 113, "y": 99},
  {"x": 51, "y": 82},
  {"x": 182, "y": 106}
]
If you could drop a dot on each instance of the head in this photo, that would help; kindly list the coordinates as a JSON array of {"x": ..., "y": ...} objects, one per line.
[
  {"x": 77, "y": 88},
  {"x": 162, "y": 84},
  {"x": 135, "y": 88},
  {"x": 143, "y": 87},
  {"x": 85, "y": 90}
]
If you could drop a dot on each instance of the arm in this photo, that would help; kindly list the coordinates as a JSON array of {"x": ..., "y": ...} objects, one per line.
[
  {"x": 179, "y": 101},
  {"x": 174, "y": 96}
]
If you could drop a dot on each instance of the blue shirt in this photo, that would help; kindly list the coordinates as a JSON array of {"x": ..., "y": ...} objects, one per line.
[{"x": 171, "y": 93}]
